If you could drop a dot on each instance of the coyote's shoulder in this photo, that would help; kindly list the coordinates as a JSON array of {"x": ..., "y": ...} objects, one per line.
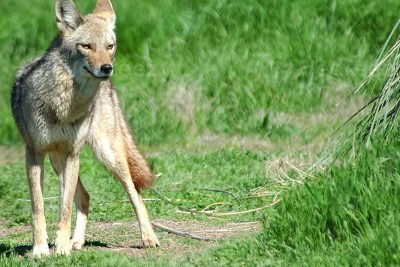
[{"x": 65, "y": 99}]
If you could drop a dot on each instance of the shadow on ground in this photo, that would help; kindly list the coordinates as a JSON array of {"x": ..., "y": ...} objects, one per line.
[
  {"x": 8, "y": 251},
  {"x": 24, "y": 250}
]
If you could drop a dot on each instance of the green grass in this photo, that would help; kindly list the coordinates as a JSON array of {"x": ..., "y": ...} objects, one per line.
[{"x": 213, "y": 91}]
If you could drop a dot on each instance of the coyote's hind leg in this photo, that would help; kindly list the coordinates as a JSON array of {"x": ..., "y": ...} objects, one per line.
[
  {"x": 67, "y": 166},
  {"x": 117, "y": 163},
  {"x": 82, "y": 206},
  {"x": 81, "y": 199}
]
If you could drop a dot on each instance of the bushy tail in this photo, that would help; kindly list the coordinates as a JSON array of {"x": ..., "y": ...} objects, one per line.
[{"x": 140, "y": 171}]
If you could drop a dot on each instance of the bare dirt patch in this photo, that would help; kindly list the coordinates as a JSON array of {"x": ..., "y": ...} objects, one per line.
[
  {"x": 210, "y": 231},
  {"x": 216, "y": 142},
  {"x": 124, "y": 237},
  {"x": 11, "y": 154},
  {"x": 6, "y": 231},
  {"x": 329, "y": 116},
  {"x": 3, "y": 228}
]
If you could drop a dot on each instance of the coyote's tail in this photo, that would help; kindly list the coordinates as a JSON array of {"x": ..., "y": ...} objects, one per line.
[{"x": 140, "y": 171}]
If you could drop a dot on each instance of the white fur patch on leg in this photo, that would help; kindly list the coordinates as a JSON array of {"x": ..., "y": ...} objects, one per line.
[
  {"x": 62, "y": 242},
  {"x": 78, "y": 239},
  {"x": 40, "y": 250}
]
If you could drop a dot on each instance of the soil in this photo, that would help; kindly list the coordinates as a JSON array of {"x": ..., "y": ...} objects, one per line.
[{"x": 11, "y": 154}]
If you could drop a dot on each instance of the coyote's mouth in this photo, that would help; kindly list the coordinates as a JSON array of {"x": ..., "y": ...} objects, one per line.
[{"x": 103, "y": 78}]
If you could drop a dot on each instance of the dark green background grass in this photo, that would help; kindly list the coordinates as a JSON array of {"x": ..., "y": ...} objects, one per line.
[
  {"x": 189, "y": 67},
  {"x": 232, "y": 72}
]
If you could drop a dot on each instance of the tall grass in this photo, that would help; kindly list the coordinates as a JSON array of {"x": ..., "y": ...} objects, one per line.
[
  {"x": 379, "y": 116},
  {"x": 382, "y": 118}
]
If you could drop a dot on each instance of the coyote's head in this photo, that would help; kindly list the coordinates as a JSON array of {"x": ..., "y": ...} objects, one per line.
[{"x": 88, "y": 40}]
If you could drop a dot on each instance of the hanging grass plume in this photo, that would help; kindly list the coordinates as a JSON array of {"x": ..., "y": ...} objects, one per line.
[{"x": 382, "y": 118}]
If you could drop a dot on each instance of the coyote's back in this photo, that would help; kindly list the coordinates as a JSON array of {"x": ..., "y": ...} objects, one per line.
[{"x": 62, "y": 101}]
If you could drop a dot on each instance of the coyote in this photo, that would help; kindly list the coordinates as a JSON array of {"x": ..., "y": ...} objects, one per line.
[{"x": 62, "y": 101}]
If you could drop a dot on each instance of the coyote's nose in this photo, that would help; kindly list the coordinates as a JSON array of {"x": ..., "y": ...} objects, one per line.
[{"x": 106, "y": 68}]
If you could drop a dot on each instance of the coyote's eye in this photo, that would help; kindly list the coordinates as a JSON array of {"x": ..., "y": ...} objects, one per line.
[
  {"x": 110, "y": 47},
  {"x": 86, "y": 46}
]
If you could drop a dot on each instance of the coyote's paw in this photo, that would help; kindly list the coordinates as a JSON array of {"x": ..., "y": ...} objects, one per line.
[
  {"x": 76, "y": 244},
  {"x": 150, "y": 240},
  {"x": 62, "y": 244},
  {"x": 40, "y": 251},
  {"x": 63, "y": 249}
]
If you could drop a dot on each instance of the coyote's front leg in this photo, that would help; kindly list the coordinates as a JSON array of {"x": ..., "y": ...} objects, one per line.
[
  {"x": 69, "y": 170},
  {"x": 34, "y": 166}
]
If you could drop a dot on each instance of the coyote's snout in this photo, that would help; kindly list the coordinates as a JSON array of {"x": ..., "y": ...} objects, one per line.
[{"x": 62, "y": 101}]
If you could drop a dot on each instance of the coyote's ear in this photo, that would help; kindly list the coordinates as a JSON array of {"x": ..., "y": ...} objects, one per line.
[
  {"x": 105, "y": 11},
  {"x": 67, "y": 16}
]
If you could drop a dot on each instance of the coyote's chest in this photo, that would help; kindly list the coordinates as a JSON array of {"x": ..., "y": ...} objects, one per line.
[
  {"x": 70, "y": 108},
  {"x": 71, "y": 100}
]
